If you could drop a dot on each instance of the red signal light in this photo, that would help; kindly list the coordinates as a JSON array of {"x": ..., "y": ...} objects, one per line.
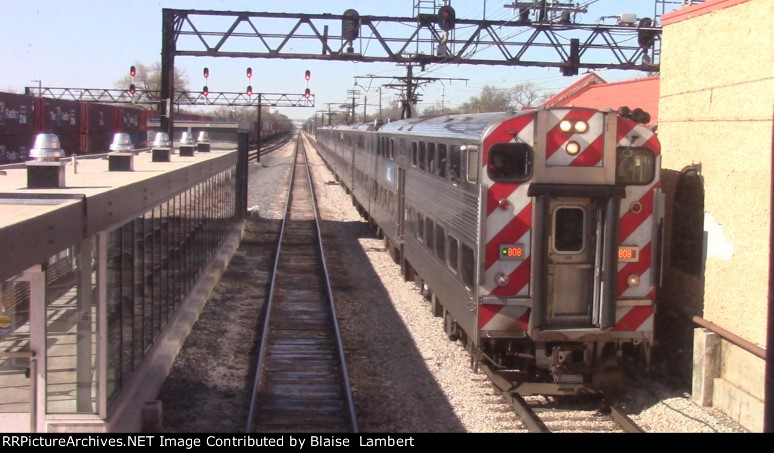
[
  {"x": 132, "y": 88},
  {"x": 205, "y": 91},
  {"x": 249, "y": 73},
  {"x": 132, "y": 71},
  {"x": 249, "y": 90},
  {"x": 307, "y": 93},
  {"x": 206, "y": 72},
  {"x": 446, "y": 18},
  {"x": 308, "y": 74}
]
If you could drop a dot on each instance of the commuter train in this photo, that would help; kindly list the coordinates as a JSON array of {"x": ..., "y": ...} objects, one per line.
[{"x": 536, "y": 235}]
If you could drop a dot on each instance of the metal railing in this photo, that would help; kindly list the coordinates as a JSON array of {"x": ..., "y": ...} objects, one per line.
[{"x": 731, "y": 337}]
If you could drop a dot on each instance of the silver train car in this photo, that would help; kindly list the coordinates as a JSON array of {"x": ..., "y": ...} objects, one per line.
[{"x": 536, "y": 235}]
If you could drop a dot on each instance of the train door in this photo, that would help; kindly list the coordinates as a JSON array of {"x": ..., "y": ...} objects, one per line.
[
  {"x": 575, "y": 246},
  {"x": 574, "y": 226},
  {"x": 402, "y": 209}
]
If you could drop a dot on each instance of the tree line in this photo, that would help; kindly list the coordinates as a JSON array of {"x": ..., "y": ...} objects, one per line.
[{"x": 490, "y": 99}]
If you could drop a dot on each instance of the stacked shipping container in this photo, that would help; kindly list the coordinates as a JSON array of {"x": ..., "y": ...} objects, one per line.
[
  {"x": 83, "y": 127},
  {"x": 17, "y": 127}
]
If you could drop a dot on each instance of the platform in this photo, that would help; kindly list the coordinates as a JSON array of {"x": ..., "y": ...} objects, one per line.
[{"x": 100, "y": 280}]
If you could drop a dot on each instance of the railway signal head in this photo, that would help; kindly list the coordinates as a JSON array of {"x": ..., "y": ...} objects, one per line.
[
  {"x": 573, "y": 62},
  {"x": 206, "y": 72},
  {"x": 132, "y": 88},
  {"x": 308, "y": 75},
  {"x": 307, "y": 93},
  {"x": 446, "y": 18},
  {"x": 350, "y": 25},
  {"x": 132, "y": 71},
  {"x": 645, "y": 38},
  {"x": 249, "y": 73},
  {"x": 205, "y": 91},
  {"x": 249, "y": 90}
]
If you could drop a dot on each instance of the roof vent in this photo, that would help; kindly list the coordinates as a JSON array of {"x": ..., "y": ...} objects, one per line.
[{"x": 46, "y": 171}]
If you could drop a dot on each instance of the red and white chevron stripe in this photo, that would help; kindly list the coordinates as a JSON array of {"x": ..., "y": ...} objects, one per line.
[
  {"x": 510, "y": 225},
  {"x": 637, "y": 318},
  {"x": 503, "y": 317},
  {"x": 591, "y": 142},
  {"x": 636, "y": 229}
]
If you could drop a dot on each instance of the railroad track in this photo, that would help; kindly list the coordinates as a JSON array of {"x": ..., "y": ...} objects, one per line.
[
  {"x": 269, "y": 147},
  {"x": 301, "y": 382},
  {"x": 547, "y": 416}
]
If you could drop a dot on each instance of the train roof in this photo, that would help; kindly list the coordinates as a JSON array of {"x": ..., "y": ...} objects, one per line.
[
  {"x": 351, "y": 127},
  {"x": 460, "y": 126}
]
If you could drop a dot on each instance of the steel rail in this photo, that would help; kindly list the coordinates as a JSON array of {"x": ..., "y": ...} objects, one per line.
[
  {"x": 271, "y": 338},
  {"x": 339, "y": 344},
  {"x": 270, "y": 298}
]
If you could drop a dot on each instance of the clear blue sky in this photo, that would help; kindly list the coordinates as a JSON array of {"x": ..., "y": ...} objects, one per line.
[{"x": 91, "y": 43}]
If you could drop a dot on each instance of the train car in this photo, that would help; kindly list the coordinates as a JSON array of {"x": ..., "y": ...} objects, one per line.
[{"x": 537, "y": 235}]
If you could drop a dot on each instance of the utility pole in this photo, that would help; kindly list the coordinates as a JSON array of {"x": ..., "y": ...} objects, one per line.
[
  {"x": 409, "y": 85},
  {"x": 380, "y": 104},
  {"x": 260, "y": 129},
  {"x": 365, "y": 107},
  {"x": 408, "y": 101},
  {"x": 354, "y": 94},
  {"x": 40, "y": 87}
]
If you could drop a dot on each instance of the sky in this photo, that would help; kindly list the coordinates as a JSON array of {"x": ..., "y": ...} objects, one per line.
[{"x": 92, "y": 43}]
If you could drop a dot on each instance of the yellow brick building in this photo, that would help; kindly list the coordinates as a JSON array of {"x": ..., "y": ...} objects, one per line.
[{"x": 715, "y": 113}]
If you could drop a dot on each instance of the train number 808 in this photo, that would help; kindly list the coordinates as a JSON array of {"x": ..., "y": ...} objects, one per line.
[
  {"x": 628, "y": 254},
  {"x": 512, "y": 252}
]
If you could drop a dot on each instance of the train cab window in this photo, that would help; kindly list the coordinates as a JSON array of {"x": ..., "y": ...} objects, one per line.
[
  {"x": 429, "y": 234},
  {"x": 568, "y": 229},
  {"x": 431, "y": 158},
  {"x": 413, "y": 154},
  {"x": 452, "y": 245},
  {"x": 472, "y": 163},
  {"x": 392, "y": 149},
  {"x": 468, "y": 266},
  {"x": 509, "y": 162},
  {"x": 455, "y": 164},
  {"x": 635, "y": 166},
  {"x": 422, "y": 155},
  {"x": 410, "y": 220},
  {"x": 440, "y": 243},
  {"x": 442, "y": 160},
  {"x": 420, "y": 227}
]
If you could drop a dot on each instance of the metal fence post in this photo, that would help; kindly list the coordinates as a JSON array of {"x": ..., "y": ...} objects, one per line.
[{"x": 240, "y": 202}]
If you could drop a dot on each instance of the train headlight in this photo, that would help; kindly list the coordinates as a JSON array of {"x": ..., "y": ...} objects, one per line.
[
  {"x": 633, "y": 281},
  {"x": 501, "y": 279},
  {"x": 581, "y": 127},
  {"x": 565, "y": 126},
  {"x": 572, "y": 148}
]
